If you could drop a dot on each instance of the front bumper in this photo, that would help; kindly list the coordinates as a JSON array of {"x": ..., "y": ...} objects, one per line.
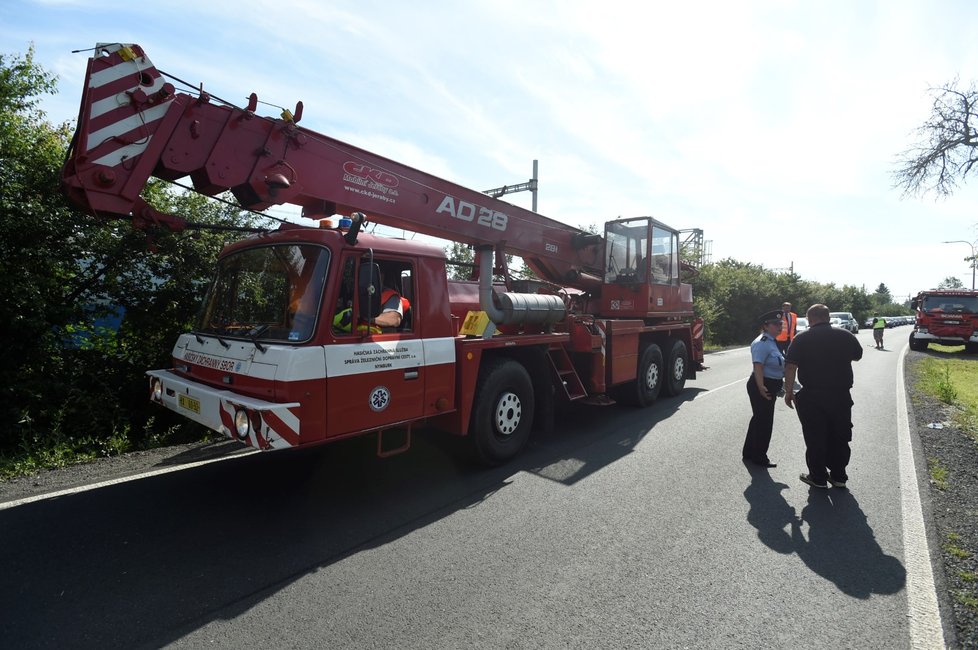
[
  {"x": 273, "y": 425},
  {"x": 945, "y": 339}
]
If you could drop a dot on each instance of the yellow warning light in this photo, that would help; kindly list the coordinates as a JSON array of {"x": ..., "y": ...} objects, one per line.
[{"x": 127, "y": 53}]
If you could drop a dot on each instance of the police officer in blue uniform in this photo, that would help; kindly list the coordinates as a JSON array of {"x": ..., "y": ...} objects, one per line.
[{"x": 763, "y": 387}]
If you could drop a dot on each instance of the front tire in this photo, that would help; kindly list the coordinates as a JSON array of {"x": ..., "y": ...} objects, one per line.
[
  {"x": 503, "y": 415},
  {"x": 917, "y": 345}
]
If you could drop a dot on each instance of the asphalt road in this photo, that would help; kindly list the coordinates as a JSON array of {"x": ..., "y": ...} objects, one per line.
[{"x": 623, "y": 528}]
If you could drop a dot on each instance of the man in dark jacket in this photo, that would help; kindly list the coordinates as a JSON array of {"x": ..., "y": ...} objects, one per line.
[{"x": 822, "y": 356}]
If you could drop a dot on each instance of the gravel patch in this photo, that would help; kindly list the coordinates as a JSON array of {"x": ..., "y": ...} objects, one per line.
[{"x": 953, "y": 505}]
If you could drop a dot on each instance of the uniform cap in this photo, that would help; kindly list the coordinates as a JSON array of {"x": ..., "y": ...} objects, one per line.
[{"x": 770, "y": 317}]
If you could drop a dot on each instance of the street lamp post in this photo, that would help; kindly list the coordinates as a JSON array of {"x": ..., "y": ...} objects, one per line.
[{"x": 973, "y": 260}]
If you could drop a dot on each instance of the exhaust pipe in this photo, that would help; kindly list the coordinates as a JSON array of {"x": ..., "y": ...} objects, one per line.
[{"x": 515, "y": 308}]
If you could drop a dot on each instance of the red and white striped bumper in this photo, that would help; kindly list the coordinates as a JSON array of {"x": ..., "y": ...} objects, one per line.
[{"x": 273, "y": 425}]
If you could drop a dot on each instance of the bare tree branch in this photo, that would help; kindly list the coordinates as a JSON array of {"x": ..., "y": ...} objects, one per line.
[{"x": 947, "y": 147}]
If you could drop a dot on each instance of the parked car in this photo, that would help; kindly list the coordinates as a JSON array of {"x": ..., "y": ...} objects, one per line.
[
  {"x": 836, "y": 322},
  {"x": 801, "y": 325},
  {"x": 848, "y": 321}
]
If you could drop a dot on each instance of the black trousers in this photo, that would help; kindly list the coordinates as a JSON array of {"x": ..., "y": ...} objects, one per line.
[
  {"x": 826, "y": 423},
  {"x": 762, "y": 421}
]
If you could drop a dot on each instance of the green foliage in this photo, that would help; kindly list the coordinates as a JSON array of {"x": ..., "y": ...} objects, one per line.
[
  {"x": 882, "y": 295},
  {"x": 730, "y": 295},
  {"x": 70, "y": 386},
  {"x": 460, "y": 257},
  {"x": 938, "y": 473},
  {"x": 950, "y": 282},
  {"x": 945, "y": 387}
]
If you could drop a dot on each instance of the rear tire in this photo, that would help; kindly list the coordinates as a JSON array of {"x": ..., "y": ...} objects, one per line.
[
  {"x": 678, "y": 364},
  {"x": 643, "y": 390},
  {"x": 503, "y": 414}
]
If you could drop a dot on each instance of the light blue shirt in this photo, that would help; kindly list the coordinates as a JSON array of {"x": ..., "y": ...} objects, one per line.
[{"x": 764, "y": 350}]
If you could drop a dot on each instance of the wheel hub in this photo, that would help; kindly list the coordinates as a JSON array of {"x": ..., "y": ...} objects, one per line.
[
  {"x": 508, "y": 412},
  {"x": 652, "y": 376},
  {"x": 679, "y": 369}
]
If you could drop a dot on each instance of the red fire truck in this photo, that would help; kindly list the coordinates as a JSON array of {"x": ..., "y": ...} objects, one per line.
[
  {"x": 947, "y": 317},
  {"x": 287, "y": 350}
]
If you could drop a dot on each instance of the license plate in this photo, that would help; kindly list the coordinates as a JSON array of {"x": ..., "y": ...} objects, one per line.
[{"x": 189, "y": 403}]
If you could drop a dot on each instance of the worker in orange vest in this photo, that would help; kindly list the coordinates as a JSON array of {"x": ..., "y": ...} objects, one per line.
[{"x": 789, "y": 322}]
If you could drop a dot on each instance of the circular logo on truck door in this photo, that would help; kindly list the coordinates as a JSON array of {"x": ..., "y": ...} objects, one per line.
[{"x": 380, "y": 398}]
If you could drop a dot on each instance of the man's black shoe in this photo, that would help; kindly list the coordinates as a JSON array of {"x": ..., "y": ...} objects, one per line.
[
  {"x": 762, "y": 463},
  {"x": 807, "y": 479}
]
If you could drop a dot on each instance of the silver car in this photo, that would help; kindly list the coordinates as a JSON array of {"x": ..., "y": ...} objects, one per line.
[{"x": 846, "y": 321}]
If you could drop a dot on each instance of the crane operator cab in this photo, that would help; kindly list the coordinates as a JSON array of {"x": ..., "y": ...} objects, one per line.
[
  {"x": 641, "y": 272},
  {"x": 641, "y": 250}
]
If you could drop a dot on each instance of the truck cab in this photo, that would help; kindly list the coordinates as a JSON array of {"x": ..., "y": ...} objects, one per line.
[{"x": 945, "y": 317}]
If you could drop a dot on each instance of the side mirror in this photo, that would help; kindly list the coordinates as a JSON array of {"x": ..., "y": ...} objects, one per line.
[{"x": 368, "y": 281}]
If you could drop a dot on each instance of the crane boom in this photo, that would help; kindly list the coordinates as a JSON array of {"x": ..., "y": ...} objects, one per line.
[{"x": 132, "y": 124}]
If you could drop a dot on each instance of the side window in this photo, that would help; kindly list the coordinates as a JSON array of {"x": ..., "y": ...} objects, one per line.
[
  {"x": 664, "y": 266},
  {"x": 353, "y": 316},
  {"x": 397, "y": 296}
]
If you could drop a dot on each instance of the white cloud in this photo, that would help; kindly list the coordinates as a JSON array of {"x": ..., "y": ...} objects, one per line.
[{"x": 773, "y": 125}]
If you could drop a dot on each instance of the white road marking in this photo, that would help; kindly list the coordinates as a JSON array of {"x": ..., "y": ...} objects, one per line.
[
  {"x": 116, "y": 481},
  {"x": 925, "y": 618},
  {"x": 713, "y": 390}
]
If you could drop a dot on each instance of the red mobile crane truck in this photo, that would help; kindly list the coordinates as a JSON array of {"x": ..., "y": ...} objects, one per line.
[
  {"x": 269, "y": 361},
  {"x": 946, "y": 317}
]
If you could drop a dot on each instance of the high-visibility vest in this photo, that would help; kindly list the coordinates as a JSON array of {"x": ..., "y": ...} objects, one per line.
[
  {"x": 788, "y": 323},
  {"x": 343, "y": 321},
  {"x": 386, "y": 294}
]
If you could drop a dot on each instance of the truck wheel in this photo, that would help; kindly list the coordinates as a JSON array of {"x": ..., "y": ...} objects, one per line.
[
  {"x": 916, "y": 344},
  {"x": 503, "y": 414},
  {"x": 645, "y": 388},
  {"x": 675, "y": 379}
]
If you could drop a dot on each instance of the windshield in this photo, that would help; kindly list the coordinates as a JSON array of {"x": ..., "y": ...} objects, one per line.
[
  {"x": 843, "y": 315},
  {"x": 272, "y": 293},
  {"x": 951, "y": 304},
  {"x": 626, "y": 244}
]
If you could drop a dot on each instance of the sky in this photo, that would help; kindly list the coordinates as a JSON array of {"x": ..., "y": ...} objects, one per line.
[{"x": 773, "y": 126}]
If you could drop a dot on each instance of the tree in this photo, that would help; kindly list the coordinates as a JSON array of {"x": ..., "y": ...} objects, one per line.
[
  {"x": 947, "y": 149},
  {"x": 950, "y": 282},
  {"x": 461, "y": 259},
  {"x": 63, "y": 376},
  {"x": 882, "y": 295}
]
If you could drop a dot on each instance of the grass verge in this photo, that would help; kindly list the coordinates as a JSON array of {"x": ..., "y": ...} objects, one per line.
[
  {"x": 37, "y": 453},
  {"x": 953, "y": 379}
]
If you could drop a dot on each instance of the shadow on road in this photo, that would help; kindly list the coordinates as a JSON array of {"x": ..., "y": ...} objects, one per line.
[
  {"x": 839, "y": 544},
  {"x": 148, "y": 561}
]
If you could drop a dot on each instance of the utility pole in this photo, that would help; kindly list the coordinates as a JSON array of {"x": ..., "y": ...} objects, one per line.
[
  {"x": 974, "y": 261},
  {"x": 529, "y": 186}
]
